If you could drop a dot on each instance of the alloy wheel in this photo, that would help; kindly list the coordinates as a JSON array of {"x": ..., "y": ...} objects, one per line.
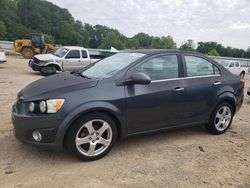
[
  {"x": 223, "y": 118},
  {"x": 93, "y": 138}
]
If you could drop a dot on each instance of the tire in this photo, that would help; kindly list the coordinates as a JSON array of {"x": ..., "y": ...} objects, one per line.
[
  {"x": 242, "y": 74},
  {"x": 50, "y": 52},
  {"x": 48, "y": 70},
  {"x": 27, "y": 53},
  {"x": 92, "y": 137},
  {"x": 221, "y": 119}
]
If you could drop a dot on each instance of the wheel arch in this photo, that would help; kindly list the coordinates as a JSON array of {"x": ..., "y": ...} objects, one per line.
[
  {"x": 57, "y": 65},
  {"x": 225, "y": 97},
  {"x": 243, "y": 73},
  {"x": 82, "y": 111}
]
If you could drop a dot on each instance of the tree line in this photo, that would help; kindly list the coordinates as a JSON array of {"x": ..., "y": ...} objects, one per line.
[{"x": 19, "y": 18}]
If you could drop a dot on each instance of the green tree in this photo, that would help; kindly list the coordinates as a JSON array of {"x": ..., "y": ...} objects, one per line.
[
  {"x": 163, "y": 43},
  {"x": 168, "y": 42},
  {"x": 112, "y": 40},
  {"x": 156, "y": 43},
  {"x": 188, "y": 46},
  {"x": 132, "y": 43},
  {"x": 2, "y": 30},
  {"x": 213, "y": 52},
  {"x": 49, "y": 39},
  {"x": 144, "y": 40}
]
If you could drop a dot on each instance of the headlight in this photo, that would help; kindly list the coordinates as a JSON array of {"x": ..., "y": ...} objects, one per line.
[
  {"x": 46, "y": 106},
  {"x": 54, "y": 105},
  {"x": 31, "y": 107},
  {"x": 42, "y": 106}
]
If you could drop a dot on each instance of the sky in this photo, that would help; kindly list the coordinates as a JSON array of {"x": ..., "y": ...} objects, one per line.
[{"x": 223, "y": 21}]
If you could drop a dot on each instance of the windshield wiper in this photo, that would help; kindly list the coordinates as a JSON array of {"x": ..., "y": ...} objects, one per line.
[
  {"x": 77, "y": 73},
  {"x": 84, "y": 76}
]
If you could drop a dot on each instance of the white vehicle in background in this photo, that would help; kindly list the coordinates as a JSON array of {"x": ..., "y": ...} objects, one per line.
[
  {"x": 235, "y": 68},
  {"x": 66, "y": 58},
  {"x": 2, "y": 56}
]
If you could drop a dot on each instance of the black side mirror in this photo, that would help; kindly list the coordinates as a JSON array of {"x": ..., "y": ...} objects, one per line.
[{"x": 138, "y": 78}]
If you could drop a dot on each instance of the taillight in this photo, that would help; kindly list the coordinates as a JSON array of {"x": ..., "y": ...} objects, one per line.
[{"x": 242, "y": 83}]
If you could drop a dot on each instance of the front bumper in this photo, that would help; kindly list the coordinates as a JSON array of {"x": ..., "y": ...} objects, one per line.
[
  {"x": 3, "y": 59},
  {"x": 34, "y": 66},
  {"x": 47, "y": 125}
]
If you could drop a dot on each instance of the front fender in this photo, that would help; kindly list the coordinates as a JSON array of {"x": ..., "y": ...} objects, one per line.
[
  {"x": 54, "y": 63},
  {"x": 88, "y": 108}
]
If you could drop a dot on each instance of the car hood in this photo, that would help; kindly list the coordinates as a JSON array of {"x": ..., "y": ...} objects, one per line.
[
  {"x": 55, "y": 85},
  {"x": 47, "y": 57}
]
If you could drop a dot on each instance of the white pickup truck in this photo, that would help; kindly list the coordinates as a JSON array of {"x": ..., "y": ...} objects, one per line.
[
  {"x": 66, "y": 58},
  {"x": 235, "y": 67}
]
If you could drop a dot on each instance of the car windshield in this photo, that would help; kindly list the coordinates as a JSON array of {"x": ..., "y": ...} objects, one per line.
[
  {"x": 111, "y": 65},
  {"x": 224, "y": 63},
  {"x": 61, "y": 52}
]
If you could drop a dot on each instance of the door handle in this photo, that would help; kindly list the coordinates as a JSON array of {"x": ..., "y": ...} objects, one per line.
[
  {"x": 217, "y": 83},
  {"x": 179, "y": 89}
]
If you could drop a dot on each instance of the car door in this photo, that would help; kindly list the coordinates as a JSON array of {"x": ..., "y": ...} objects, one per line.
[
  {"x": 72, "y": 60},
  {"x": 159, "y": 104},
  {"x": 237, "y": 68},
  {"x": 231, "y": 67},
  {"x": 202, "y": 83},
  {"x": 85, "y": 60}
]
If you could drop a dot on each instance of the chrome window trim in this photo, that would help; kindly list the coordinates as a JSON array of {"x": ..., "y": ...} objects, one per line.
[{"x": 183, "y": 78}]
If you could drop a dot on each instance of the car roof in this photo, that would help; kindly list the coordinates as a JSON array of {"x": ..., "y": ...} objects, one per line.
[
  {"x": 74, "y": 47},
  {"x": 157, "y": 51}
]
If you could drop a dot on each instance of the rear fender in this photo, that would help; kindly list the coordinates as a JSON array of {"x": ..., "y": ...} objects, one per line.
[{"x": 224, "y": 97}]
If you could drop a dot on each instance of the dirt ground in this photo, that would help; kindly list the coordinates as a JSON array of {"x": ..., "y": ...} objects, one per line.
[{"x": 183, "y": 158}]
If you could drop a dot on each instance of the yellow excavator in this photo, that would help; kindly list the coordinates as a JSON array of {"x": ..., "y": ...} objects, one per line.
[{"x": 35, "y": 45}]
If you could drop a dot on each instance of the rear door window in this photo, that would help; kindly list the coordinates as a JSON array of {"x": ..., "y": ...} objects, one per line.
[
  {"x": 231, "y": 64},
  {"x": 197, "y": 66}
]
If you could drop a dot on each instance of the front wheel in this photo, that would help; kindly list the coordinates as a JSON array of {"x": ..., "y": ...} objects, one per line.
[
  {"x": 221, "y": 119},
  {"x": 27, "y": 53},
  {"x": 48, "y": 70},
  {"x": 92, "y": 137}
]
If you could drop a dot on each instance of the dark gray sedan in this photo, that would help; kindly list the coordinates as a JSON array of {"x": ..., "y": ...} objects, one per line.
[{"x": 127, "y": 94}]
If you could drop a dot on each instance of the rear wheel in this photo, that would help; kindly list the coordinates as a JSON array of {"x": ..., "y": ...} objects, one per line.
[
  {"x": 27, "y": 53},
  {"x": 92, "y": 137},
  {"x": 221, "y": 119},
  {"x": 48, "y": 70}
]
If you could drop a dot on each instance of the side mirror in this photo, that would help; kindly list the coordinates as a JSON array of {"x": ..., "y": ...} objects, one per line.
[{"x": 138, "y": 78}]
